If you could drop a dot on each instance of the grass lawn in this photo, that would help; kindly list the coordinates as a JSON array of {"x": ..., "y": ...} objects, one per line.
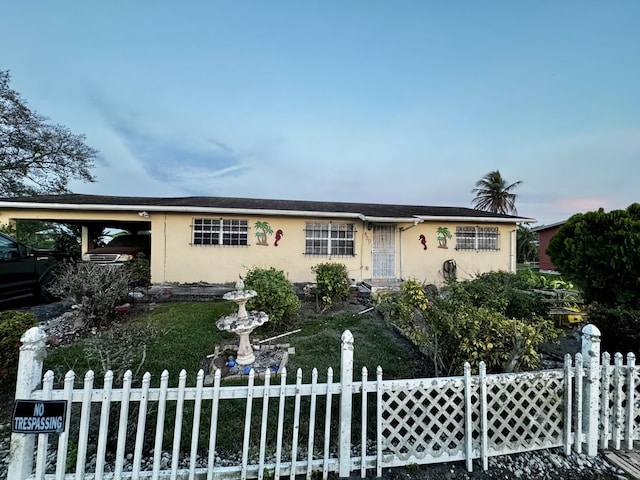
[
  {"x": 176, "y": 336},
  {"x": 180, "y": 336}
]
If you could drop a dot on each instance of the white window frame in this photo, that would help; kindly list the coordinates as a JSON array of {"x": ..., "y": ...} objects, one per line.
[
  {"x": 330, "y": 239},
  {"x": 222, "y": 232},
  {"x": 485, "y": 239}
]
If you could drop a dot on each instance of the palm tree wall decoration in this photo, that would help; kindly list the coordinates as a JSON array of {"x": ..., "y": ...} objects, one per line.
[
  {"x": 443, "y": 235},
  {"x": 262, "y": 230},
  {"x": 493, "y": 194}
]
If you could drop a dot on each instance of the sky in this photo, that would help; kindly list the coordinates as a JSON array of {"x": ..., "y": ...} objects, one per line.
[{"x": 403, "y": 102}]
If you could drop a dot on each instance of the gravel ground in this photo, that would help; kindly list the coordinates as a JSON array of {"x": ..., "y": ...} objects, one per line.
[
  {"x": 548, "y": 465},
  {"x": 46, "y": 312},
  {"x": 544, "y": 464}
]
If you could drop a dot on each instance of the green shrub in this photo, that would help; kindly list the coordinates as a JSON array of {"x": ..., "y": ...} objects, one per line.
[
  {"x": 522, "y": 304},
  {"x": 121, "y": 349},
  {"x": 95, "y": 290},
  {"x": 504, "y": 292},
  {"x": 13, "y": 324},
  {"x": 460, "y": 332},
  {"x": 276, "y": 295},
  {"x": 139, "y": 270},
  {"x": 332, "y": 283},
  {"x": 600, "y": 252},
  {"x": 620, "y": 328},
  {"x": 469, "y": 324},
  {"x": 394, "y": 306}
]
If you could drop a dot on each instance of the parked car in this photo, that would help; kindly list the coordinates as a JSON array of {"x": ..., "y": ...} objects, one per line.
[
  {"x": 121, "y": 249},
  {"x": 25, "y": 271}
]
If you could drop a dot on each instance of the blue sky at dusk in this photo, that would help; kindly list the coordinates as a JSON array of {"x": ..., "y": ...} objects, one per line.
[{"x": 405, "y": 102}]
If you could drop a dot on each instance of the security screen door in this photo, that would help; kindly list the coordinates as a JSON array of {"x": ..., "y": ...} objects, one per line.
[{"x": 384, "y": 251}]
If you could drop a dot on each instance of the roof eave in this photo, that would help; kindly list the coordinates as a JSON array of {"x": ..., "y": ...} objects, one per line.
[
  {"x": 258, "y": 211},
  {"x": 476, "y": 219},
  {"x": 546, "y": 227},
  {"x": 378, "y": 219},
  {"x": 178, "y": 209}
]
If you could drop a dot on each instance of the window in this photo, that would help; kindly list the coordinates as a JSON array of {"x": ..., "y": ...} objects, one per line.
[
  {"x": 8, "y": 249},
  {"x": 477, "y": 238},
  {"x": 208, "y": 231},
  {"x": 333, "y": 239}
]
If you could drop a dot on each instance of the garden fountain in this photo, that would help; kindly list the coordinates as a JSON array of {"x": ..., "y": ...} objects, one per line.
[{"x": 243, "y": 322}]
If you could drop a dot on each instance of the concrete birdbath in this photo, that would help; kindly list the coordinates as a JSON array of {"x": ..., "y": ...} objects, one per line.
[{"x": 243, "y": 322}]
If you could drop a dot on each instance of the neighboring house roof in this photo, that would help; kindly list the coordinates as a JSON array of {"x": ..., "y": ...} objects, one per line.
[
  {"x": 547, "y": 227},
  {"x": 364, "y": 211}
]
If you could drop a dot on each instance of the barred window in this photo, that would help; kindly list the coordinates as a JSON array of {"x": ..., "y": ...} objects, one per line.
[
  {"x": 208, "y": 231},
  {"x": 332, "y": 239},
  {"x": 477, "y": 238}
]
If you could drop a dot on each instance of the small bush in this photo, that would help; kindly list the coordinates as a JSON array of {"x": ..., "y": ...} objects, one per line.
[
  {"x": 276, "y": 295},
  {"x": 120, "y": 349},
  {"x": 394, "y": 306},
  {"x": 620, "y": 328},
  {"x": 332, "y": 283},
  {"x": 469, "y": 324},
  {"x": 504, "y": 292},
  {"x": 13, "y": 324},
  {"x": 139, "y": 270},
  {"x": 95, "y": 290}
]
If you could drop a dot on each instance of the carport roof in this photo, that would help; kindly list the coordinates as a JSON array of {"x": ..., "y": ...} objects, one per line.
[{"x": 364, "y": 211}]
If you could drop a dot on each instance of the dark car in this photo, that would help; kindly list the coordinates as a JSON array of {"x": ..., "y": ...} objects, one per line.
[
  {"x": 25, "y": 271},
  {"x": 121, "y": 249}
]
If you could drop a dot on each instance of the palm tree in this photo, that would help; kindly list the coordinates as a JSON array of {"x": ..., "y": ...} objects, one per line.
[
  {"x": 494, "y": 195},
  {"x": 527, "y": 245}
]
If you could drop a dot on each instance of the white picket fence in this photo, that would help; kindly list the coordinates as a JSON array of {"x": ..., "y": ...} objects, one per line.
[{"x": 289, "y": 429}]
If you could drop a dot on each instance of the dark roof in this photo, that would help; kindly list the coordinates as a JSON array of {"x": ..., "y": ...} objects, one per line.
[
  {"x": 551, "y": 226},
  {"x": 366, "y": 209}
]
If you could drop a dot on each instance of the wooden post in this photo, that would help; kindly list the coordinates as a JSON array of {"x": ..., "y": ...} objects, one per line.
[
  {"x": 28, "y": 379},
  {"x": 591, "y": 396},
  {"x": 346, "y": 401}
]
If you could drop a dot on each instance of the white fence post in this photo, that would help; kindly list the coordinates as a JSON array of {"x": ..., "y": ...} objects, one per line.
[
  {"x": 591, "y": 357},
  {"x": 346, "y": 404},
  {"x": 28, "y": 378}
]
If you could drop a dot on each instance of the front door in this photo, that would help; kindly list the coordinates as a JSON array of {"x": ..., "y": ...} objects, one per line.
[{"x": 384, "y": 251}]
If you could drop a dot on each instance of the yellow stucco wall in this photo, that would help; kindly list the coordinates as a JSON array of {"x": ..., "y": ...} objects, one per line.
[
  {"x": 426, "y": 265},
  {"x": 174, "y": 259}
]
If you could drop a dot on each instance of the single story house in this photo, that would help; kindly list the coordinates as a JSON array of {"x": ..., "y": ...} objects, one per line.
[
  {"x": 545, "y": 232},
  {"x": 215, "y": 239}
]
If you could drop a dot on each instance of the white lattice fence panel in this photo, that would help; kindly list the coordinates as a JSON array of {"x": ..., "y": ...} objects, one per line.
[
  {"x": 525, "y": 411},
  {"x": 424, "y": 421}
]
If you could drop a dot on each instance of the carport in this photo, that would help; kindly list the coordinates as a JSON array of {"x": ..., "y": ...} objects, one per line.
[
  {"x": 92, "y": 230},
  {"x": 91, "y": 223}
]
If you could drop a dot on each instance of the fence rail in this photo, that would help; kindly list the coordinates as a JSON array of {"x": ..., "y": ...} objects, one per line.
[{"x": 295, "y": 428}]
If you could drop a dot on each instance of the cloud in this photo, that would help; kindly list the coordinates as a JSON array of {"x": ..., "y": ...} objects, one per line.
[
  {"x": 168, "y": 153},
  {"x": 168, "y": 158}
]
